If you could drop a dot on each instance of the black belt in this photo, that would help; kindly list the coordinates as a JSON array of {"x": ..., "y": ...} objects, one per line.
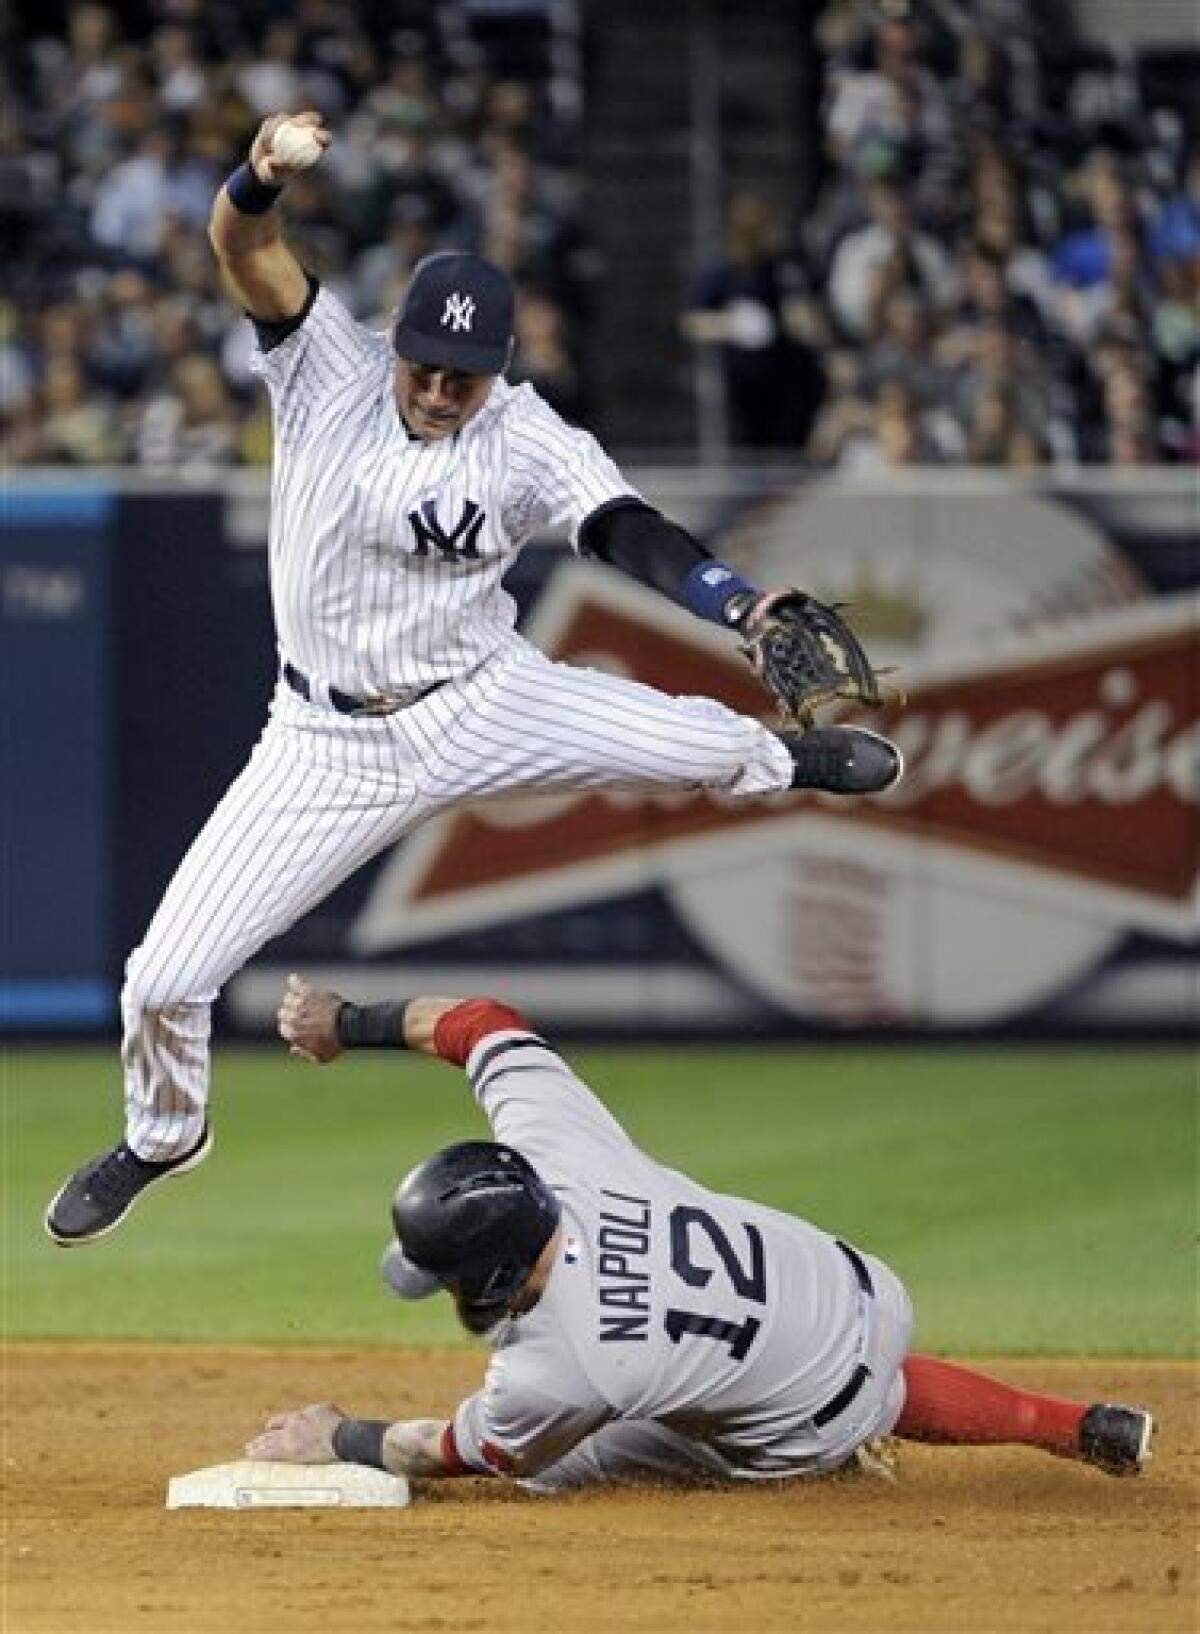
[
  {"x": 840, "y": 1402},
  {"x": 347, "y": 704}
]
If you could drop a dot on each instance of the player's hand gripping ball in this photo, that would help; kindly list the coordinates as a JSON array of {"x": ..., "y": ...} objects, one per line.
[
  {"x": 296, "y": 145},
  {"x": 807, "y": 655},
  {"x": 286, "y": 145}
]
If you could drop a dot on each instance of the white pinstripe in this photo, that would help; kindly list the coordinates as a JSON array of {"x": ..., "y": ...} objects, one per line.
[
  {"x": 357, "y": 608},
  {"x": 355, "y": 604}
]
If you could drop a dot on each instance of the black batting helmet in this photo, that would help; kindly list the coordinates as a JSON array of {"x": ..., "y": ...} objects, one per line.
[{"x": 475, "y": 1215}]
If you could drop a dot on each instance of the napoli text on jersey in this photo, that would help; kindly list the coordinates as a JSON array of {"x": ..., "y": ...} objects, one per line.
[{"x": 680, "y": 1328}]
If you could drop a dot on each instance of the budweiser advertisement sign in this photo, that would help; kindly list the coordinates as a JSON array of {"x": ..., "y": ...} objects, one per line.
[
  {"x": 1053, "y": 787},
  {"x": 1039, "y": 860}
]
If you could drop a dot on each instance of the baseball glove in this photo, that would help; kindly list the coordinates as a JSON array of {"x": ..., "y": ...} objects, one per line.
[{"x": 807, "y": 655}]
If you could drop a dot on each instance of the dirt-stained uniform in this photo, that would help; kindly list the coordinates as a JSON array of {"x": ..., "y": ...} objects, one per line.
[{"x": 681, "y": 1332}]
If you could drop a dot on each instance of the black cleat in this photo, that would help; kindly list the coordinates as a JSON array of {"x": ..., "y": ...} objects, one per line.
[
  {"x": 97, "y": 1197},
  {"x": 843, "y": 760},
  {"x": 1116, "y": 1439}
]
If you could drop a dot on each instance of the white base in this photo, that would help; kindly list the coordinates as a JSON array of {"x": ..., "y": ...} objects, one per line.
[{"x": 253, "y": 1484}]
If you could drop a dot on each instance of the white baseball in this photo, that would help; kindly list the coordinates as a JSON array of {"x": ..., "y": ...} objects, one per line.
[{"x": 296, "y": 145}]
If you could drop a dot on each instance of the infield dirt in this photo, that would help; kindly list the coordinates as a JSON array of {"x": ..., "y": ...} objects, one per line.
[{"x": 972, "y": 1539}]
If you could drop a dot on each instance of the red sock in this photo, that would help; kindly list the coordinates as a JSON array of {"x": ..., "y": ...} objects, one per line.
[
  {"x": 460, "y": 1029},
  {"x": 948, "y": 1403}
]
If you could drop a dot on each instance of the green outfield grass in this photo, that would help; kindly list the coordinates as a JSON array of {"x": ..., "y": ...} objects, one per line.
[{"x": 1034, "y": 1201}]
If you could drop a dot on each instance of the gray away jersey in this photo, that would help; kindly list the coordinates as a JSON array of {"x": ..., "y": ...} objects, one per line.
[
  {"x": 387, "y": 552},
  {"x": 727, "y": 1321}
]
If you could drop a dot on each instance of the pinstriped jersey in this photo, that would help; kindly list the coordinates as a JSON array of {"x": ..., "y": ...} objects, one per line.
[
  {"x": 387, "y": 552},
  {"x": 730, "y": 1322}
]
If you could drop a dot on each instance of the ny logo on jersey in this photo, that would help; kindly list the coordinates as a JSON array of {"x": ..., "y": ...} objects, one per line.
[
  {"x": 460, "y": 544},
  {"x": 459, "y": 312}
]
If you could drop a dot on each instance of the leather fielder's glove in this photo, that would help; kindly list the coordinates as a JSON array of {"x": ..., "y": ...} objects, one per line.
[{"x": 807, "y": 655}]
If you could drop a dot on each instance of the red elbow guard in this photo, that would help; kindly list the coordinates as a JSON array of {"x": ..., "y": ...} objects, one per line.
[{"x": 459, "y": 1030}]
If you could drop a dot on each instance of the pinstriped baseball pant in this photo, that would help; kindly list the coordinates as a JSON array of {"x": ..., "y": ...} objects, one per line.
[{"x": 323, "y": 793}]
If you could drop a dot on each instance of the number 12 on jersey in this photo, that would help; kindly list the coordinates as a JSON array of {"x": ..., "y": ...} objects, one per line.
[{"x": 749, "y": 1282}]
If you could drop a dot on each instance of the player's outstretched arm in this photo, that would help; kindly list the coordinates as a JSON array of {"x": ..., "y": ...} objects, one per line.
[
  {"x": 323, "y": 1434},
  {"x": 245, "y": 230},
  {"x": 320, "y": 1024},
  {"x": 803, "y": 650}
]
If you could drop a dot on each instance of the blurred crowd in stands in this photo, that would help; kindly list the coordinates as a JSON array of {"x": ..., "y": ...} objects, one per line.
[
  {"x": 1003, "y": 264},
  {"x": 454, "y": 129}
]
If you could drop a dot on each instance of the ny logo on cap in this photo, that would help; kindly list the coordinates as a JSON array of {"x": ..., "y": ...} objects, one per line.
[{"x": 460, "y": 310}]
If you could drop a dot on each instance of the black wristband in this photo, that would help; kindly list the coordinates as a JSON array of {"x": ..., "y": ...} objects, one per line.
[
  {"x": 249, "y": 194},
  {"x": 371, "y": 1026},
  {"x": 360, "y": 1441}
]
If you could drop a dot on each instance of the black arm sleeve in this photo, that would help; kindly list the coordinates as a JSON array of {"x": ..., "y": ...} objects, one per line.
[
  {"x": 272, "y": 333},
  {"x": 638, "y": 540}
]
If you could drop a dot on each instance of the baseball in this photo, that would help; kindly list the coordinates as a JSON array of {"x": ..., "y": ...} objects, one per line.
[{"x": 296, "y": 145}]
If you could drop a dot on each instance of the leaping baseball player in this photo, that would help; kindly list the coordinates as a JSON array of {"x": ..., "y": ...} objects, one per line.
[
  {"x": 407, "y": 475},
  {"x": 641, "y": 1325}
]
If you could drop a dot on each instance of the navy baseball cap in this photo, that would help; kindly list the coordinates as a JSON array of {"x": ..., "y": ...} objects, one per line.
[{"x": 457, "y": 314}]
